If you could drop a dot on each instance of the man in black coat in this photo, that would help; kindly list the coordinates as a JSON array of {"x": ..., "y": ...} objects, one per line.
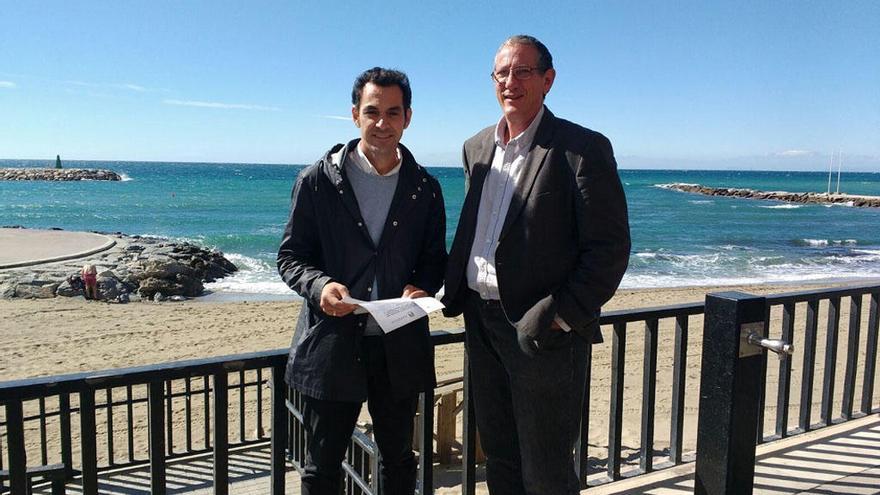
[
  {"x": 366, "y": 221},
  {"x": 542, "y": 243}
]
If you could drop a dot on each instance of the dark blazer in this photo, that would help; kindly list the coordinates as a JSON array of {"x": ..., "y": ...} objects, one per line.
[
  {"x": 566, "y": 234},
  {"x": 326, "y": 240}
]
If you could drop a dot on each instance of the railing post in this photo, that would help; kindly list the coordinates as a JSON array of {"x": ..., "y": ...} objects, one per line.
[
  {"x": 221, "y": 433},
  {"x": 155, "y": 397},
  {"x": 279, "y": 429},
  {"x": 729, "y": 387},
  {"x": 18, "y": 481},
  {"x": 426, "y": 442}
]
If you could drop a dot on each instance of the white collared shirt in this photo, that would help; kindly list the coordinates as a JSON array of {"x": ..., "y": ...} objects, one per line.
[
  {"x": 502, "y": 179},
  {"x": 363, "y": 163},
  {"x": 500, "y": 183}
]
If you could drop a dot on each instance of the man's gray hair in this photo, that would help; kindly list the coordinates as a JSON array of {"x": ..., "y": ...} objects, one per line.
[{"x": 545, "y": 60}]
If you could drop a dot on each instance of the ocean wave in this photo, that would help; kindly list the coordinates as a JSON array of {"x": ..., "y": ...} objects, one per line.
[
  {"x": 700, "y": 201},
  {"x": 254, "y": 276},
  {"x": 824, "y": 242},
  {"x": 124, "y": 177},
  {"x": 786, "y": 206}
]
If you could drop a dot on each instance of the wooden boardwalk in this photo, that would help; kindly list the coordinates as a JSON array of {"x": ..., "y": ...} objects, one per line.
[{"x": 842, "y": 459}]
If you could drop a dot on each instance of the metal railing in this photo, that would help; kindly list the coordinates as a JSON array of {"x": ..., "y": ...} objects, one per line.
[
  {"x": 192, "y": 396},
  {"x": 179, "y": 409}
]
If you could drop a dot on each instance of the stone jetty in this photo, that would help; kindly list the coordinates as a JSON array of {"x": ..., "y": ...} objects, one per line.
[
  {"x": 57, "y": 174},
  {"x": 134, "y": 268},
  {"x": 789, "y": 197}
]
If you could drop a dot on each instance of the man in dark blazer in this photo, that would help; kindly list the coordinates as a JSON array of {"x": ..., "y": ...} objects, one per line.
[{"x": 542, "y": 243}]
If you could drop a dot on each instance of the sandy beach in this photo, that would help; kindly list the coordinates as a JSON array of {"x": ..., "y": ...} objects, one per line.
[{"x": 62, "y": 335}]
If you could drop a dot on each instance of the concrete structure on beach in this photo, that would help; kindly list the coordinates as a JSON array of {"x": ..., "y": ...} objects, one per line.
[{"x": 789, "y": 197}]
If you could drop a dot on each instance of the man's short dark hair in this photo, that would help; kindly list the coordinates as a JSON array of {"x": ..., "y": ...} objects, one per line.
[
  {"x": 382, "y": 77},
  {"x": 545, "y": 60}
]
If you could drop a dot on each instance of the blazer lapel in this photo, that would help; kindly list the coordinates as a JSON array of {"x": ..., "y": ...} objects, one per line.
[{"x": 532, "y": 167}]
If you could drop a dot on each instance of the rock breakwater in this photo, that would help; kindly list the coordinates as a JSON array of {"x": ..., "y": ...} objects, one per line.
[
  {"x": 134, "y": 268},
  {"x": 789, "y": 197},
  {"x": 57, "y": 174}
]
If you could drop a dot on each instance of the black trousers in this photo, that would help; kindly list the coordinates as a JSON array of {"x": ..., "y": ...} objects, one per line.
[
  {"x": 329, "y": 425},
  {"x": 527, "y": 408}
]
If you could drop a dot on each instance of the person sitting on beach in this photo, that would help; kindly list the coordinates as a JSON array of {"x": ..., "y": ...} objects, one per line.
[
  {"x": 366, "y": 220},
  {"x": 542, "y": 243},
  {"x": 90, "y": 281}
]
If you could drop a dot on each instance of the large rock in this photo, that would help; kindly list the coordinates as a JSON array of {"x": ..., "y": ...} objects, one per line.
[
  {"x": 180, "y": 285},
  {"x": 36, "y": 290}
]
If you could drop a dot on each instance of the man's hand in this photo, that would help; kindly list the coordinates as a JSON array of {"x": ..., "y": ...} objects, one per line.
[
  {"x": 331, "y": 300},
  {"x": 412, "y": 292}
]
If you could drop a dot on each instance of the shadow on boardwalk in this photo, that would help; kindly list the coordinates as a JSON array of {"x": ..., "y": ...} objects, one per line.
[{"x": 842, "y": 459}]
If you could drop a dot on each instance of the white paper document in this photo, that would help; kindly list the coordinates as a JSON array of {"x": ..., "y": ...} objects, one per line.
[{"x": 392, "y": 314}]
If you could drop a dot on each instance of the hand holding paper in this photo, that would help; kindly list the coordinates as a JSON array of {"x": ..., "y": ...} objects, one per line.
[{"x": 392, "y": 314}]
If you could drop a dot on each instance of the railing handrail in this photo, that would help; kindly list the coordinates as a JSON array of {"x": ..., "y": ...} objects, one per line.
[
  {"x": 34, "y": 388},
  {"x": 821, "y": 293}
]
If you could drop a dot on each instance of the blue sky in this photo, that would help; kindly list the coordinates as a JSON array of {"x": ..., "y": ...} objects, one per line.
[{"x": 751, "y": 85}]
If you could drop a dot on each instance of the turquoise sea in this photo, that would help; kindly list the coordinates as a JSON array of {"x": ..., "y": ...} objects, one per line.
[{"x": 679, "y": 239}]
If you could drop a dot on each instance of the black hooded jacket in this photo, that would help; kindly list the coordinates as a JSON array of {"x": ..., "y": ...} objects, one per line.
[{"x": 327, "y": 240}]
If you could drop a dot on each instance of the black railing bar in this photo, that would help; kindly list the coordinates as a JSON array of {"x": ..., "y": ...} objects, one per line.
[
  {"x": 241, "y": 408},
  {"x": 679, "y": 386},
  {"x": 871, "y": 352},
  {"x": 809, "y": 365},
  {"x": 649, "y": 393},
  {"x": 783, "y": 390},
  {"x": 33, "y": 388},
  {"x": 129, "y": 422},
  {"x": 168, "y": 400},
  {"x": 260, "y": 402},
  {"x": 641, "y": 314},
  {"x": 44, "y": 454},
  {"x": 832, "y": 328},
  {"x": 822, "y": 293},
  {"x": 206, "y": 404},
  {"x": 188, "y": 413},
  {"x": 852, "y": 353},
  {"x": 110, "y": 453}
]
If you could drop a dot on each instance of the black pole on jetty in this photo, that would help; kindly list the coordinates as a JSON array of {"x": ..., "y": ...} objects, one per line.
[
  {"x": 57, "y": 161},
  {"x": 729, "y": 393}
]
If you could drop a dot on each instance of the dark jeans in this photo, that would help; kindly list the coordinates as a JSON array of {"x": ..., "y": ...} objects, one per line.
[
  {"x": 527, "y": 409},
  {"x": 329, "y": 425}
]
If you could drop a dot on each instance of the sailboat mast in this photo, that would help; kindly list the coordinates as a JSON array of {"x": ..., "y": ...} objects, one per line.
[
  {"x": 830, "y": 167},
  {"x": 839, "y": 164}
]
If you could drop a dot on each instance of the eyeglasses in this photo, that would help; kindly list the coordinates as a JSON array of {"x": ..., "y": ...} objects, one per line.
[{"x": 520, "y": 73}]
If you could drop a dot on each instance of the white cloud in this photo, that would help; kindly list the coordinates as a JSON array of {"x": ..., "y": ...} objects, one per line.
[
  {"x": 7, "y": 84},
  {"x": 795, "y": 153},
  {"x": 134, "y": 87},
  {"x": 225, "y": 106},
  {"x": 335, "y": 117}
]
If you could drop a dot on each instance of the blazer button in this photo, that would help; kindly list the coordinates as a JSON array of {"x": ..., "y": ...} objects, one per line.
[
  {"x": 414, "y": 196},
  {"x": 360, "y": 224},
  {"x": 394, "y": 223}
]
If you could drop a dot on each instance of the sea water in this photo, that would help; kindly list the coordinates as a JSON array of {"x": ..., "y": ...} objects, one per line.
[{"x": 679, "y": 239}]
